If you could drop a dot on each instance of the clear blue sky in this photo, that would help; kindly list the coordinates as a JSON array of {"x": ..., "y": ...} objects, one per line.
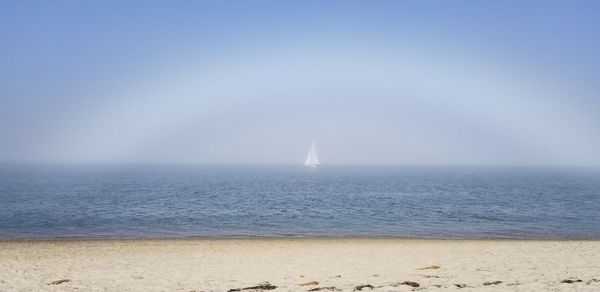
[{"x": 381, "y": 82}]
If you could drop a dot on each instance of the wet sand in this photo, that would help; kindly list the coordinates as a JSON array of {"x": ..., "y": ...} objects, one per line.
[{"x": 307, "y": 264}]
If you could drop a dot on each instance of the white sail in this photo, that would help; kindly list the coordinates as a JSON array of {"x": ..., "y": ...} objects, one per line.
[{"x": 312, "y": 160}]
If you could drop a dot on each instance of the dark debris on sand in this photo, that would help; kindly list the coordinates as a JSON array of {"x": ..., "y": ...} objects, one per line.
[
  {"x": 434, "y": 267},
  {"x": 569, "y": 281},
  {"x": 58, "y": 282},
  {"x": 492, "y": 283},
  {"x": 408, "y": 283},
  {"x": 361, "y": 287},
  {"x": 324, "y": 288},
  {"x": 262, "y": 286},
  {"x": 461, "y": 285}
]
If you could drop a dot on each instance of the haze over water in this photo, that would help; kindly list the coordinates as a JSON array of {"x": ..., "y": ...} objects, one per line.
[{"x": 189, "y": 200}]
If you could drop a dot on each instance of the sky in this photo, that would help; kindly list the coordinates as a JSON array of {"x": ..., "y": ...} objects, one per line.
[{"x": 374, "y": 82}]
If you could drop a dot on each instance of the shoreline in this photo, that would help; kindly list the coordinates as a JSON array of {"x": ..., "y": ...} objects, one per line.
[{"x": 292, "y": 237}]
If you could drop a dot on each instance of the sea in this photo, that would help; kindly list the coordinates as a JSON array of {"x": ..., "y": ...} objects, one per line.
[{"x": 149, "y": 201}]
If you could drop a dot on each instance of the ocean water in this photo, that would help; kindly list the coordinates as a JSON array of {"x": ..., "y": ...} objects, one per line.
[{"x": 45, "y": 201}]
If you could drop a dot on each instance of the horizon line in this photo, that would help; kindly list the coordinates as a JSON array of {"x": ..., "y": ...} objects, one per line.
[{"x": 167, "y": 163}]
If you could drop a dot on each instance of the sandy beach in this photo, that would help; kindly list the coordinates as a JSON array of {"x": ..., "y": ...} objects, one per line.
[{"x": 308, "y": 264}]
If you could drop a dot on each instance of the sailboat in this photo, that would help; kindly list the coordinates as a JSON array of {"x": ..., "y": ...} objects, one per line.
[{"x": 312, "y": 161}]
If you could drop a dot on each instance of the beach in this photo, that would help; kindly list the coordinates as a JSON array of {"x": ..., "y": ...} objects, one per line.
[{"x": 299, "y": 264}]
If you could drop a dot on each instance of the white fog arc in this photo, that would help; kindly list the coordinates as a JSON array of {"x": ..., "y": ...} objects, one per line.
[{"x": 395, "y": 106}]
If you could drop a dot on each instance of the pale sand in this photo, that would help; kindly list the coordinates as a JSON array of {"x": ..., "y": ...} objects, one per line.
[{"x": 344, "y": 263}]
